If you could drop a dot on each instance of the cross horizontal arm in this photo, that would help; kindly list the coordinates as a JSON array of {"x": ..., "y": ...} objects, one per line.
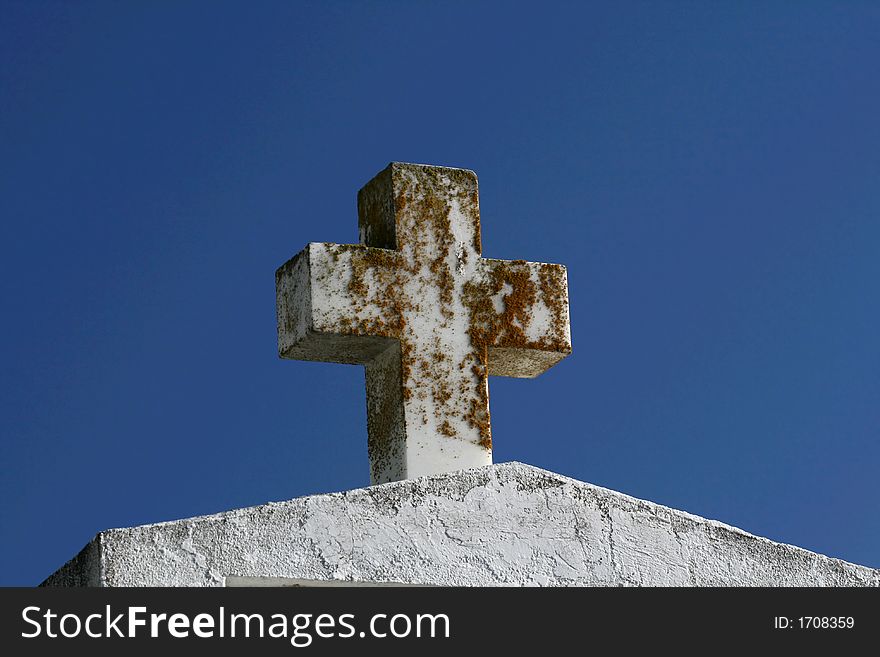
[
  {"x": 333, "y": 303},
  {"x": 519, "y": 311}
]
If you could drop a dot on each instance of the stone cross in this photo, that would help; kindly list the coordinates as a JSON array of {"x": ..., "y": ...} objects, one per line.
[{"x": 429, "y": 317}]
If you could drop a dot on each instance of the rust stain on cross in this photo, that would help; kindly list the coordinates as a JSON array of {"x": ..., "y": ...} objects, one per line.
[{"x": 430, "y": 318}]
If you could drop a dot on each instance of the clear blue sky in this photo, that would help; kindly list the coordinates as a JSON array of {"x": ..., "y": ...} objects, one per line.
[{"x": 709, "y": 173}]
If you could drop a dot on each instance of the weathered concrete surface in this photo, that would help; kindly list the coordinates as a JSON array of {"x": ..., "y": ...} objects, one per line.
[
  {"x": 505, "y": 524},
  {"x": 429, "y": 317}
]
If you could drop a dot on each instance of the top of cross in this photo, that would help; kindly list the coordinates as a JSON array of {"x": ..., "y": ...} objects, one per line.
[{"x": 428, "y": 316}]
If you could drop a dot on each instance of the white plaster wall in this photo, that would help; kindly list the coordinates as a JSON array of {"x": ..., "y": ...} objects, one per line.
[{"x": 504, "y": 524}]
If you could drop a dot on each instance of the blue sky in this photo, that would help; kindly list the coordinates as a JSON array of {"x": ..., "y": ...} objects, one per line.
[{"x": 709, "y": 173}]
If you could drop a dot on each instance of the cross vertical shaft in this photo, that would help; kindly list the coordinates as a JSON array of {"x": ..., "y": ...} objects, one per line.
[{"x": 431, "y": 217}]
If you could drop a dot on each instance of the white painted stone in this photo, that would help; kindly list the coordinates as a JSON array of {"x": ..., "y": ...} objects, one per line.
[
  {"x": 428, "y": 317},
  {"x": 505, "y": 524}
]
